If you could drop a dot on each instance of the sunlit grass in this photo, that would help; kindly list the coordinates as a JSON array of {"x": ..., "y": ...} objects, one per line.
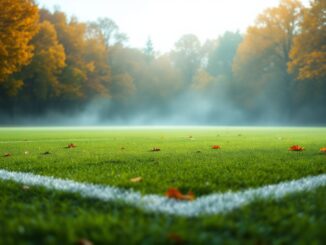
[{"x": 249, "y": 157}]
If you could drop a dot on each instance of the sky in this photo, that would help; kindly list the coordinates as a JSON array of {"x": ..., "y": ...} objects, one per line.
[{"x": 165, "y": 21}]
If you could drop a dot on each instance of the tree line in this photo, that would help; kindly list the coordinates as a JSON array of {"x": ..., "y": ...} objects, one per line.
[{"x": 50, "y": 62}]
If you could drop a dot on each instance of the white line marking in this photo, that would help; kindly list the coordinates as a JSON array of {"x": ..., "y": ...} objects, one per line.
[{"x": 217, "y": 203}]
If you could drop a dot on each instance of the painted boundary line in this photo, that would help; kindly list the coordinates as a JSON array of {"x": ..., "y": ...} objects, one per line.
[{"x": 217, "y": 203}]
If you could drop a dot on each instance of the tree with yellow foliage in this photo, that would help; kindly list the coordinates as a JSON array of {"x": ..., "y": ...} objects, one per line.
[
  {"x": 41, "y": 75},
  {"x": 260, "y": 65},
  {"x": 18, "y": 24},
  {"x": 308, "y": 54}
]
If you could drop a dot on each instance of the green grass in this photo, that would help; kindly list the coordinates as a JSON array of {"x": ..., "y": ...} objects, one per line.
[{"x": 250, "y": 157}]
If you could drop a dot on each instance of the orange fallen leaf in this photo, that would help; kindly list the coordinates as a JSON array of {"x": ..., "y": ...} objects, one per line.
[
  {"x": 296, "y": 148},
  {"x": 156, "y": 149},
  {"x": 174, "y": 193},
  {"x": 323, "y": 149},
  {"x": 216, "y": 147},
  {"x": 7, "y": 155},
  {"x": 71, "y": 145},
  {"x": 136, "y": 179}
]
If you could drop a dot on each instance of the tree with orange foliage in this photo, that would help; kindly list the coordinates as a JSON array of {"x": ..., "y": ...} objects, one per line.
[
  {"x": 308, "y": 54},
  {"x": 18, "y": 24},
  {"x": 41, "y": 75},
  {"x": 260, "y": 65}
]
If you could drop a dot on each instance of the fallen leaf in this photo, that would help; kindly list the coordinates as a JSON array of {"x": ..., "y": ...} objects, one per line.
[
  {"x": 156, "y": 149},
  {"x": 7, "y": 155},
  {"x": 71, "y": 145},
  {"x": 216, "y": 147},
  {"x": 174, "y": 193},
  {"x": 136, "y": 179},
  {"x": 84, "y": 242},
  {"x": 323, "y": 149},
  {"x": 296, "y": 148}
]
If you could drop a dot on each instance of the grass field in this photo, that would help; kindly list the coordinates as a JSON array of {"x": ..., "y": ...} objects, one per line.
[{"x": 248, "y": 158}]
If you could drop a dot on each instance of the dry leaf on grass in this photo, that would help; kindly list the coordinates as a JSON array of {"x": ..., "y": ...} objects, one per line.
[
  {"x": 71, "y": 145},
  {"x": 216, "y": 147},
  {"x": 174, "y": 193},
  {"x": 84, "y": 242},
  {"x": 136, "y": 179},
  {"x": 7, "y": 154},
  {"x": 156, "y": 149},
  {"x": 296, "y": 148},
  {"x": 323, "y": 149}
]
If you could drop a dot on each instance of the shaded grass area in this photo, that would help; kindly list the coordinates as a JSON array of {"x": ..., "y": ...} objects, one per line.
[
  {"x": 249, "y": 157},
  {"x": 38, "y": 216}
]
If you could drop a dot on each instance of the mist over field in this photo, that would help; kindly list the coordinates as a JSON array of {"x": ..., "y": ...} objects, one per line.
[{"x": 58, "y": 70}]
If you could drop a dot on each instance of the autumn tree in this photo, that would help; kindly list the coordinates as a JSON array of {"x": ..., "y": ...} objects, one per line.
[
  {"x": 109, "y": 31},
  {"x": 308, "y": 54},
  {"x": 308, "y": 59},
  {"x": 260, "y": 65},
  {"x": 87, "y": 73},
  {"x": 18, "y": 24},
  {"x": 41, "y": 75}
]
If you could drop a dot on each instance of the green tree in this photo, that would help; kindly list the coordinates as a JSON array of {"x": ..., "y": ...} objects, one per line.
[
  {"x": 149, "y": 50},
  {"x": 221, "y": 58},
  {"x": 187, "y": 56}
]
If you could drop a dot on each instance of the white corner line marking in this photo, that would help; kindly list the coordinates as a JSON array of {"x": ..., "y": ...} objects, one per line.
[{"x": 217, "y": 203}]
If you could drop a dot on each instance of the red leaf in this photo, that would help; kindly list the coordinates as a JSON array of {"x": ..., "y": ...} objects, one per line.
[
  {"x": 174, "y": 193},
  {"x": 216, "y": 147},
  {"x": 296, "y": 148}
]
